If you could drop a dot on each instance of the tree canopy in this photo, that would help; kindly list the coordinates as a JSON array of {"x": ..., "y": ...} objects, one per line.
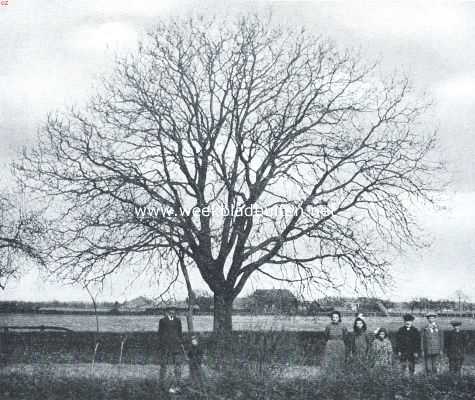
[{"x": 246, "y": 148}]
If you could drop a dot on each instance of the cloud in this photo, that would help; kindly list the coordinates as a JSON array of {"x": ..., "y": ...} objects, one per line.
[
  {"x": 99, "y": 37},
  {"x": 403, "y": 19},
  {"x": 447, "y": 265},
  {"x": 458, "y": 88},
  {"x": 139, "y": 8}
]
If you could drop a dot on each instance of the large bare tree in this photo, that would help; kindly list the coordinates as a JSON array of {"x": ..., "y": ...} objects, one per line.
[{"x": 298, "y": 160}]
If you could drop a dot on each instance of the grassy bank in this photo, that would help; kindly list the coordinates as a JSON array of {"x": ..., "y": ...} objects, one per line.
[{"x": 239, "y": 384}]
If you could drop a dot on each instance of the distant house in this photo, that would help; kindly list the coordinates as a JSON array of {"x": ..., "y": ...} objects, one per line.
[
  {"x": 139, "y": 304},
  {"x": 400, "y": 307},
  {"x": 312, "y": 307},
  {"x": 340, "y": 309},
  {"x": 242, "y": 304},
  {"x": 115, "y": 308},
  {"x": 204, "y": 302},
  {"x": 273, "y": 301},
  {"x": 352, "y": 306},
  {"x": 348, "y": 306},
  {"x": 180, "y": 306}
]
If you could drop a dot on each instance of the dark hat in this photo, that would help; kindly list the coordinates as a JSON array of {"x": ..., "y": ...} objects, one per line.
[
  {"x": 408, "y": 317},
  {"x": 431, "y": 314},
  {"x": 455, "y": 323}
]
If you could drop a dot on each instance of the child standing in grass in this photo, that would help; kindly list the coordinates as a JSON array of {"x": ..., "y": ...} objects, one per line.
[
  {"x": 382, "y": 350},
  {"x": 195, "y": 358}
]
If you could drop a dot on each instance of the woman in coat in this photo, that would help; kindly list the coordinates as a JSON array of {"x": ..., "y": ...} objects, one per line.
[
  {"x": 335, "y": 349},
  {"x": 359, "y": 343}
]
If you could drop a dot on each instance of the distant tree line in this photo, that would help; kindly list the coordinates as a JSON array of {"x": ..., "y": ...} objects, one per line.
[
  {"x": 271, "y": 301},
  {"x": 281, "y": 301},
  {"x": 27, "y": 306},
  {"x": 442, "y": 305}
]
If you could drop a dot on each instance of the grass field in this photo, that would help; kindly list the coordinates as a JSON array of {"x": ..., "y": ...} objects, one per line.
[
  {"x": 204, "y": 323},
  {"x": 254, "y": 376},
  {"x": 51, "y": 382}
]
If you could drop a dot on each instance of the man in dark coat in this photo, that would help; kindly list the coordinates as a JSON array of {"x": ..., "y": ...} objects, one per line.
[
  {"x": 408, "y": 344},
  {"x": 455, "y": 348},
  {"x": 170, "y": 340}
]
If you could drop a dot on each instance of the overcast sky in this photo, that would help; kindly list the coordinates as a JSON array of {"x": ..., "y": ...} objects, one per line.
[{"x": 51, "y": 52}]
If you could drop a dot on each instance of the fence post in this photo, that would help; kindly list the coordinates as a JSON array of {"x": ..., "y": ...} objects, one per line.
[
  {"x": 94, "y": 355},
  {"x": 122, "y": 343},
  {"x": 3, "y": 346}
]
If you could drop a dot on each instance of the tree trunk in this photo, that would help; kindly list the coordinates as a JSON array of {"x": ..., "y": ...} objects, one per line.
[
  {"x": 189, "y": 320},
  {"x": 191, "y": 301},
  {"x": 223, "y": 326},
  {"x": 191, "y": 294}
]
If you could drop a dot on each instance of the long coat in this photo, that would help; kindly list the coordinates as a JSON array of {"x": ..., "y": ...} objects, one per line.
[
  {"x": 455, "y": 345},
  {"x": 170, "y": 335},
  {"x": 408, "y": 341},
  {"x": 359, "y": 344}
]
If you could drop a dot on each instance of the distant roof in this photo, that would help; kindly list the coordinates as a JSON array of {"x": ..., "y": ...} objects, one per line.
[
  {"x": 281, "y": 293},
  {"x": 172, "y": 304},
  {"x": 241, "y": 303},
  {"x": 138, "y": 303}
]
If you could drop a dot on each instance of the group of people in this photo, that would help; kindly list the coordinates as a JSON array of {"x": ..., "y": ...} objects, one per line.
[
  {"x": 361, "y": 349},
  {"x": 358, "y": 348}
]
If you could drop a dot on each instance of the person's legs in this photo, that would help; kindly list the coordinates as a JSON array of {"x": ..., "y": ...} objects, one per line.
[
  {"x": 404, "y": 364},
  {"x": 458, "y": 366},
  {"x": 201, "y": 378},
  {"x": 196, "y": 375},
  {"x": 164, "y": 359},
  {"x": 408, "y": 363},
  {"x": 411, "y": 363},
  {"x": 452, "y": 365},
  {"x": 435, "y": 363},
  {"x": 430, "y": 364},
  {"x": 427, "y": 364},
  {"x": 177, "y": 368},
  {"x": 192, "y": 373},
  {"x": 201, "y": 374}
]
